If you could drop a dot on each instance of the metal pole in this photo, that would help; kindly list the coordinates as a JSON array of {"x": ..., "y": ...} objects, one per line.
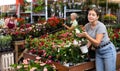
[
  {"x": 65, "y": 9},
  {"x": 106, "y": 6},
  {"x": 31, "y": 16},
  {"x": 18, "y": 11},
  {"x": 46, "y": 9}
]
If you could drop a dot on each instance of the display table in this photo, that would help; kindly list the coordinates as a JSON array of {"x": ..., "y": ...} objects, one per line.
[{"x": 81, "y": 67}]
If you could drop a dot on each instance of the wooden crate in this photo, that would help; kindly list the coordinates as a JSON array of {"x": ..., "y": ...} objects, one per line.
[
  {"x": 81, "y": 67},
  {"x": 118, "y": 61}
]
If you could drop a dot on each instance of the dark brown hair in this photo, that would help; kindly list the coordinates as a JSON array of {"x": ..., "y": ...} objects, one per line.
[{"x": 96, "y": 10}]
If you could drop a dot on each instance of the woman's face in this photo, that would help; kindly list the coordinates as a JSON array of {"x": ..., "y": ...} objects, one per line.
[
  {"x": 13, "y": 18},
  {"x": 92, "y": 16},
  {"x": 72, "y": 17}
]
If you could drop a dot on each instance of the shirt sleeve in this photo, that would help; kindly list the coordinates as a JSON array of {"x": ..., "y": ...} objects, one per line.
[
  {"x": 75, "y": 24},
  {"x": 86, "y": 27},
  {"x": 101, "y": 29}
]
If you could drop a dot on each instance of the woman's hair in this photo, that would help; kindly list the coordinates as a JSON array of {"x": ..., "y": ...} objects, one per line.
[
  {"x": 14, "y": 15},
  {"x": 74, "y": 14},
  {"x": 97, "y": 10}
]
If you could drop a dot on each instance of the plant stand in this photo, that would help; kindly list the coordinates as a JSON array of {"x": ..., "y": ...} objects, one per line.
[{"x": 16, "y": 45}]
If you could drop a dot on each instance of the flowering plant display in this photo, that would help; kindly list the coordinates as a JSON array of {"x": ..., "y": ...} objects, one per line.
[
  {"x": 38, "y": 29},
  {"x": 54, "y": 24},
  {"x": 37, "y": 65},
  {"x": 114, "y": 35},
  {"x": 21, "y": 32},
  {"x": 56, "y": 47},
  {"x": 79, "y": 41},
  {"x": 110, "y": 17},
  {"x": 20, "y": 21},
  {"x": 53, "y": 21}
]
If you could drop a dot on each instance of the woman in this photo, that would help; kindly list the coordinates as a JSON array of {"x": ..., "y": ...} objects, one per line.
[
  {"x": 11, "y": 22},
  {"x": 73, "y": 22},
  {"x": 96, "y": 33}
]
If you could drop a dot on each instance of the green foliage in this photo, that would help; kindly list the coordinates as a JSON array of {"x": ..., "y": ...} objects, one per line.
[
  {"x": 5, "y": 40},
  {"x": 110, "y": 5},
  {"x": 39, "y": 6}
]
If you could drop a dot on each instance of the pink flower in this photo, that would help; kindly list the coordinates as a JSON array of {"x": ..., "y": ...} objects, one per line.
[
  {"x": 50, "y": 57},
  {"x": 45, "y": 69},
  {"x": 38, "y": 58},
  {"x": 44, "y": 54},
  {"x": 49, "y": 61},
  {"x": 25, "y": 61},
  {"x": 28, "y": 59}
]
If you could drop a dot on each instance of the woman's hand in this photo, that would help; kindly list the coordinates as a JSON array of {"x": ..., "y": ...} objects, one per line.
[
  {"x": 84, "y": 34},
  {"x": 63, "y": 24}
]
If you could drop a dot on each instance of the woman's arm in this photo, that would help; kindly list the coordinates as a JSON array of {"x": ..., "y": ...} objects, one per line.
[
  {"x": 95, "y": 41},
  {"x": 88, "y": 44},
  {"x": 69, "y": 28},
  {"x": 6, "y": 23}
]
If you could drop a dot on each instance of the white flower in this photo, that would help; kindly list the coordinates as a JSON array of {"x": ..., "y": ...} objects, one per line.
[
  {"x": 75, "y": 42},
  {"x": 33, "y": 69},
  {"x": 42, "y": 64},
  {"x": 38, "y": 58},
  {"x": 77, "y": 30},
  {"x": 68, "y": 44}
]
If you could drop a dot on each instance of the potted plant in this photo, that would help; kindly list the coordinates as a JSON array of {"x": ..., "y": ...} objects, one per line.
[{"x": 5, "y": 43}]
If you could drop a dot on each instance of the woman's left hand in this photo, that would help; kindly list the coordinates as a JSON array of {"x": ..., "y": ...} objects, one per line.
[{"x": 84, "y": 34}]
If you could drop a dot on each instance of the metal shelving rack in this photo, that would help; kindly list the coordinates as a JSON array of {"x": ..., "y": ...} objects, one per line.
[
  {"x": 45, "y": 13},
  {"x": 70, "y": 10}
]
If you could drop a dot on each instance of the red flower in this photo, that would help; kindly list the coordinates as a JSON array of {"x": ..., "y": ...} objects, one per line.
[
  {"x": 41, "y": 44},
  {"x": 116, "y": 35},
  {"x": 53, "y": 21}
]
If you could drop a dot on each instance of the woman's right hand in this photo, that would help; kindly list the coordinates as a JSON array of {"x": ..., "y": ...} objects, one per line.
[{"x": 63, "y": 24}]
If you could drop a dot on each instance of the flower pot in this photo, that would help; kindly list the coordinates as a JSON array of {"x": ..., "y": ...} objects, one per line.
[{"x": 84, "y": 49}]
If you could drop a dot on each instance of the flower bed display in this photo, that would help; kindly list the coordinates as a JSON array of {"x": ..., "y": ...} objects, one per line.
[
  {"x": 114, "y": 34},
  {"x": 59, "y": 47},
  {"x": 23, "y": 31},
  {"x": 31, "y": 65},
  {"x": 59, "y": 67}
]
